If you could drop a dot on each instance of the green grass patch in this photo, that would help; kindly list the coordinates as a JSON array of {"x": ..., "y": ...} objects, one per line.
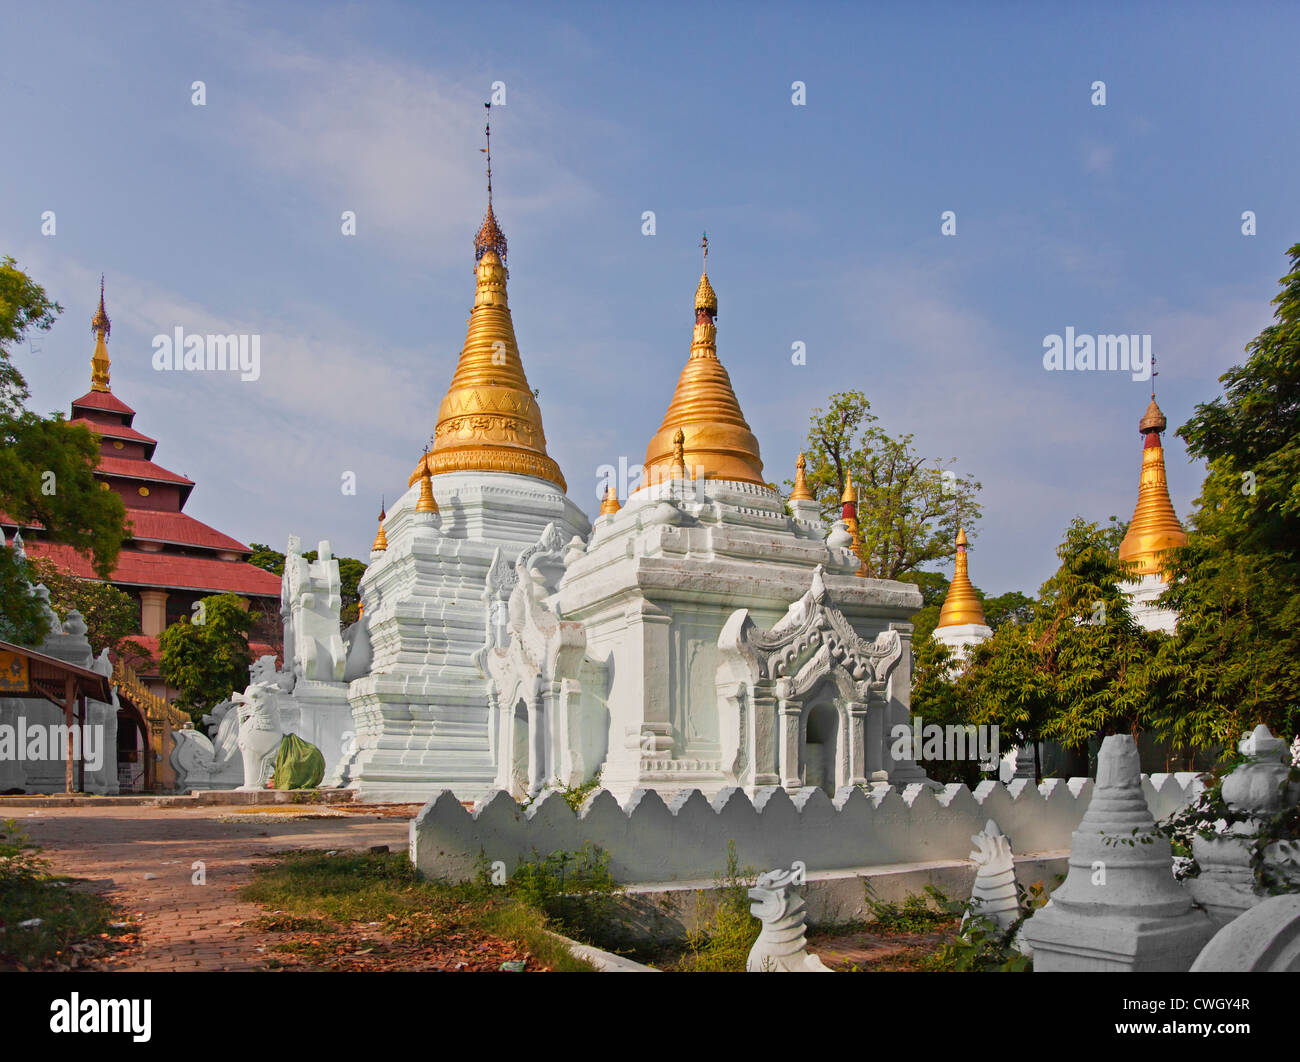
[
  {"x": 722, "y": 939},
  {"x": 366, "y": 888},
  {"x": 922, "y": 912},
  {"x": 59, "y": 916}
]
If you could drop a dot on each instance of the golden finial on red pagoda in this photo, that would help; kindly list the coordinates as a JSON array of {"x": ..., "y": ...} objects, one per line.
[{"x": 101, "y": 326}]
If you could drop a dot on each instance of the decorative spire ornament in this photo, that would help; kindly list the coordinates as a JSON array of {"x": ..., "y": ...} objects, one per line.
[
  {"x": 849, "y": 514},
  {"x": 102, "y": 327},
  {"x": 426, "y": 504},
  {"x": 381, "y": 540},
  {"x": 609, "y": 504},
  {"x": 801, "y": 491},
  {"x": 489, "y": 420},
  {"x": 722, "y": 446},
  {"x": 1154, "y": 527},
  {"x": 961, "y": 605}
]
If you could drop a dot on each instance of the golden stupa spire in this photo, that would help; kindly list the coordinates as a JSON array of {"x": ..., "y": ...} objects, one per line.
[
  {"x": 705, "y": 410},
  {"x": 801, "y": 491},
  {"x": 1154, "y": 527},
  {"x": 101, "y": 326},
  {"x": 961, "y": 606},
  {"x": 425, "y": 503},
  {"x": 849, "y": 514},
  {"x": 381, "y": 540},
  {"x": 489, "y": 420},
  {"x": 609, "y": 504}
]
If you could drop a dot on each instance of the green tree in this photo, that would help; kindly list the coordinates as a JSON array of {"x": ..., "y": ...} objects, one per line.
[
  {"x": 111, "y": 615},
  {"x": 1234, "y": 660},
  {"x": 46, "y": 465},
  {"x": 350, "y": 572},
  {"x": 1077, "y": 666},
  {"x": 206, "y": 660},
  {"x": 908, "y": 506}
]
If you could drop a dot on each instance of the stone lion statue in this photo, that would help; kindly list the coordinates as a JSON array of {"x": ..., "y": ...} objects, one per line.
[{"x": 260, "y": 732}]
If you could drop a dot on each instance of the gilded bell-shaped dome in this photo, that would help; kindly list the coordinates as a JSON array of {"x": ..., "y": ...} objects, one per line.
[
  {"x": 717, "y": 442},
  {"x": 961, "y": 606},
  {"x": 1154, "y": 527},
  {"x": 489, "y": 420}
]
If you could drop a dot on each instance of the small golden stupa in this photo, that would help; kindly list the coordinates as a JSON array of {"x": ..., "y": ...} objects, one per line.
[
  {"x": 849, "y": 514},
  {"x": 705, "y": 411},
  {"x": 801, "y": 491},
  {"x": 609, "y": 504},
  {"x": 381, "y": 540},
  {"x": 961, "y": 606},
  {"x": 425, "y": 503},
  {"x": 489, "y": 420},
  {"x": 1154, "y": 527},
  {"x": 101, "y": 326}
]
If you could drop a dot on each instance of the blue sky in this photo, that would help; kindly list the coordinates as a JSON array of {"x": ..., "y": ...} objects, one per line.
[{"x": 824, "y": 226}]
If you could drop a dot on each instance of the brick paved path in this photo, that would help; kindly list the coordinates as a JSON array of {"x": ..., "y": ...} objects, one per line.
[{"x": 141, "y": 859}]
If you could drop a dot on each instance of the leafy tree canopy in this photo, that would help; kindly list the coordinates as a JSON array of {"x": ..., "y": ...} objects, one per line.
[
  {"x": 908, "y": 506},
  {"x": 46, "y": 464},
  {"x": 207, "y": 660},
  {"x": 1234, "y": 660}
]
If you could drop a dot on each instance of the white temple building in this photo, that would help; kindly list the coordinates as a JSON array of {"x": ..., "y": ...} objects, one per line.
[{"x": 702, "y": 635}]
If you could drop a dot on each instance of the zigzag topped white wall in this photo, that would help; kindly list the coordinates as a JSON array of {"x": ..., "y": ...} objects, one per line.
[{"x": 686, "y": 840}]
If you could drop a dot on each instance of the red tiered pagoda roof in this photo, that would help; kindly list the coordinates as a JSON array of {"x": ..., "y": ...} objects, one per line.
[{"x": 168, "y": 550}]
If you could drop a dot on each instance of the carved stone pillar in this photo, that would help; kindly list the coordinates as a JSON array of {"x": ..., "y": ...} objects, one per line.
[
  {"x": 536, "y": 745},
  {"x": 791, "y": 718},
  {"x": 651, "y": 625},
  {"x": 857, "y": 739},
  {"x": 766, "y": 739}
]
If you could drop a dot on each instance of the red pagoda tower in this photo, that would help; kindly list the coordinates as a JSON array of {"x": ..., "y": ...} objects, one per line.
[{"x": 170, "y": 560}]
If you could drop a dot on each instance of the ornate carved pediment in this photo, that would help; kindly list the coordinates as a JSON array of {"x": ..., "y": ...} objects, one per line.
[
  {"x": 812, "y": 640},
  {"x": 533, "y": 646}
]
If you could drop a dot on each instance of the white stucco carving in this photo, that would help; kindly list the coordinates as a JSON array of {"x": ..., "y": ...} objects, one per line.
[{"x": 781, "y": 946}]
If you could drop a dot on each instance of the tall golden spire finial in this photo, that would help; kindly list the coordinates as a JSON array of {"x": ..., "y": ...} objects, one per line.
[
  {"x": 961, "y": 605},
  {"x": 381, "y": 540},
  {"x": 101, "y": 326},
  {"x": 801, "y": 491},
  {"x": 489, "y": 420},
  {"x": 1154, "y": 527},
  {"x": 722, "y": 446},
  {"x": 490, "y": 237}
]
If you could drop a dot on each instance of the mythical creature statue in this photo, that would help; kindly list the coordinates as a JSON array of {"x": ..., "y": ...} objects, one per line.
[
  {"x": 780, "y": 947},
  {"x": 260, "y": 733},
  {"x": 994, "y": 893}
]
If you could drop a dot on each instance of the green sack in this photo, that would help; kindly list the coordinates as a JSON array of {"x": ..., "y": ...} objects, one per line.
[{"x": 298, "y": 765}]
